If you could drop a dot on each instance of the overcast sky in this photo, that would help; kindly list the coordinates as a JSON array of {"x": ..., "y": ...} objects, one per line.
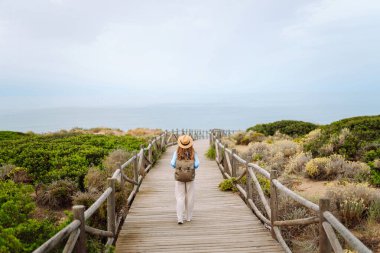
[{"x": 96, "y": 53}]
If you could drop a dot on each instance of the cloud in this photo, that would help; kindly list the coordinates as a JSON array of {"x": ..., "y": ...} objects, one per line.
[
  {"x": 124, "y": 51},
  {"x": 334, "y": 16}
]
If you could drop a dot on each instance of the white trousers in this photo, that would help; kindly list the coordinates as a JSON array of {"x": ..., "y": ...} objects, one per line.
[{"x": 184, "y": 194}]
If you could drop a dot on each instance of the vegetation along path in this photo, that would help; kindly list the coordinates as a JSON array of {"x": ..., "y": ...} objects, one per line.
[{"x": 221, "y": 220}]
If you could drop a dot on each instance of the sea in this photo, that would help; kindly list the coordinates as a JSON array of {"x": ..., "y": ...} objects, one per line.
[{"x": 172, "y": 116}]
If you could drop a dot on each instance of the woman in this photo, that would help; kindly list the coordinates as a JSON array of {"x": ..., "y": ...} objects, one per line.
[{"x": 184, "y": 191}]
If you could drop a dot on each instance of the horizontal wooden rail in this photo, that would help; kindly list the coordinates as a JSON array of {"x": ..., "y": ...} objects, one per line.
[
  {"x": 260, "y": 191},
  {"x": 354, "y": 242},
  {"x": 92, "y": 209},
  {"x": 227, "y": 161},
  {"x": 98, "y": 232},
  {"x": 58, "y": 237},
  {"x": 303, "y": 221},
  {"x": 295, "y": 196}
]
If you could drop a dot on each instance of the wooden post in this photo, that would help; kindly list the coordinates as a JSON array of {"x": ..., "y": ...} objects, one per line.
[
  {"x": 141, "y": 165},
  {"x": 324, "y": 243},
  {"x": 136, "y": 167},
  {"x": 165, "y": 137},
  {"x": 233, "y": 163},
  {"x": 111, "y": 215},
  {"x": 163, "y": 143},
  {"x": 249, "y": 183},
  {"x": 150, "y": 155},
  {"x": 122, "y": 180},
  {"x": 80, "y": 246},
  {"x": 222, "y": 154},
  {"x": 273, "y": 201}
]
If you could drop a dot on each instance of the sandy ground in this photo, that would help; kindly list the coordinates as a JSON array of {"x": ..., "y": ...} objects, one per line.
[{"x": 313, "y": 189}]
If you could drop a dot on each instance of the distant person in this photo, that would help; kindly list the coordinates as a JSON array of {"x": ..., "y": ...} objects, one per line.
[{"x": 185, "y": 161}]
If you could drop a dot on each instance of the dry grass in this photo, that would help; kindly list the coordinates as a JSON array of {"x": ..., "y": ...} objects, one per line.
[
  {"x": 95, "y": 179},
  {"x": 336, "y": 167},
  {"x": 297, "y": 163},
  {"x": 96, "y": 130},
  {"x": 312, "y": 136},
  {"x": 302, "y": 238},
  {"x": 115, "y": 159},
  {"x": 20, "y": 175},
  {"x": 144, "y": 132},
  {"x": 5, "y": 170},
  {"x": 57, "y": 195},
  {"x": 352, "y": 202}
]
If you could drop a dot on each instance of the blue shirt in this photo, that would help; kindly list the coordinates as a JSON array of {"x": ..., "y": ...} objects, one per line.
[{"x": 174, "y": 159}]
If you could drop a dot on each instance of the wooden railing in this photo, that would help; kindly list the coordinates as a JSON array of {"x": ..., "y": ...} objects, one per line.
[
  {"x": 228, "y": 161},
  {"x": 142, "y": 162}
]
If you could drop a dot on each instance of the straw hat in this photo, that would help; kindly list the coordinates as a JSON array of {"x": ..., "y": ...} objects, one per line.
[{"x": 185, "y": 141}]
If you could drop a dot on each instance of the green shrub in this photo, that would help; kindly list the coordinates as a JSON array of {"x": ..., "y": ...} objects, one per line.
[
  {"x": 372, "y": 154},
  {"x": 8, "y": 242},
  {"x": 211, "y": 153},
  {"x": 34, "y": 233},
  {"x": 9, "y": 135},
  {"x": 265, "y": 184},
  {"x": 375, "y": 177},
  {"x": 355, "y": 138},
  {"x": 16, "y": 203},
  {"x": 19, "y": 233},
  {"x": 58, "y": 163},
  {"x": 374, "y": 211},
  {"x": 52, "y": 157},
  {"x": 257, "y": 157},
  {"x": 289, "y": 127},
  {"x": 228, "y": 185},
  {"x": 251, "y": 136}
]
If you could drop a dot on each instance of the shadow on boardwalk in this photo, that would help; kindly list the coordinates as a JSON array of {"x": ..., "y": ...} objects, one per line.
[{"x": 221, "y": 220}]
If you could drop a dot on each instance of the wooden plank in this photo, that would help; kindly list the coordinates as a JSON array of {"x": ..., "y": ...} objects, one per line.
[{"x": 221, "y": 221}]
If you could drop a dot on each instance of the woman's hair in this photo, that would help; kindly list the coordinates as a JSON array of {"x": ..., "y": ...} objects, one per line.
[{"x": 185, "y": 153}]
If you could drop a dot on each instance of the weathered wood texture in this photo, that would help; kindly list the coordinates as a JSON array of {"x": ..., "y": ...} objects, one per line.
[{"x": 221, "y": 221}]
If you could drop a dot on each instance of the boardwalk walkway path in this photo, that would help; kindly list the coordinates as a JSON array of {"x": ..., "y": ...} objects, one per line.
[{"x": 221, "y": 220}]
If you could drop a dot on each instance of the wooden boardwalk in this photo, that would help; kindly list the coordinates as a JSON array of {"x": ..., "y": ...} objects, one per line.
[{"x": 221, "y": 220}]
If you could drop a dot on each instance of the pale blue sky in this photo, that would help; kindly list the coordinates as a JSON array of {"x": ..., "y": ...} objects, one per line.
[{"x": 89, "y": 53}]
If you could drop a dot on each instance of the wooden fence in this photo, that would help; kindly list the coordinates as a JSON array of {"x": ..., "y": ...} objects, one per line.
[
  {"x": 228, "y": 161},
  {"x": 142, "y": 162}
]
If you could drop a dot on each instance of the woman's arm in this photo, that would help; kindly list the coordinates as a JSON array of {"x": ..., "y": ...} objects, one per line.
[
  {"x": 196, "y": 161},
  {"x": 174, "y": 159}
]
